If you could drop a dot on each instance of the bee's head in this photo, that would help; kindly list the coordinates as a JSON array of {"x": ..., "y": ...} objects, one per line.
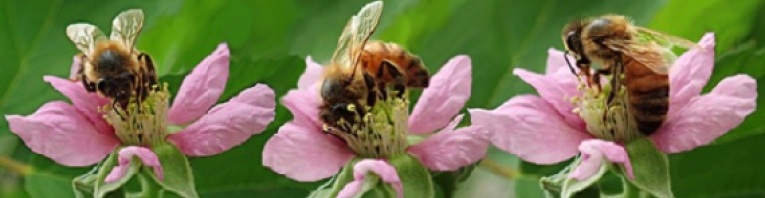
[
  {"x": 572, "y": 37},
  {"x": 117, "y": 87},
  {"x": 334, "y": 89}
]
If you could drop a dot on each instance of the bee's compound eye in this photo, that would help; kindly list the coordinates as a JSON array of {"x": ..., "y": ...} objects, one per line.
[
  {"x": 340, "y": 108},
  {"x": 100, "y": 84},
  {"x": 121, "y": 95},
  {"x": 572, "y": 42}
]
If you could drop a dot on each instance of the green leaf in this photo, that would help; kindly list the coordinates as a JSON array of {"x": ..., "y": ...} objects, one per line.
[
  {"x": 731, "y": 22},
  {"x": 732, "y": 169},
  {"x": 415, "y": 178},
  {"x": 650, "y": 167},
  {"x": 178, "y": 177},
  {"x": 41, "y": 185}
]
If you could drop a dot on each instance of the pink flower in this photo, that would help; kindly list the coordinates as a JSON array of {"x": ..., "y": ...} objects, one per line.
[
  {"x": 545, "y": 130},
  {"x": 79, "y": 134},
  {"x": 302, "y": 151}
]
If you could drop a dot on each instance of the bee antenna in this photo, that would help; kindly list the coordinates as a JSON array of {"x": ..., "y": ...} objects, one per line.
[
  {"x": 570, "y": 67},
  {"x": 114, "y": 108}
]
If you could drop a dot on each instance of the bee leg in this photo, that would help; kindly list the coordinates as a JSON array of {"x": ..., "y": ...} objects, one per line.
[
  {"x": 616, "y": 74},
  {"x": 372, "y": 93},
  {"x": 584, "y": 67},
  {"x": 150, "y": 75},
  {"x": 116, "y": 110},
  {"x": 398, "y": 78},
  {"x": 614, "y": 82},
  {"x": 89, "y": 86}
]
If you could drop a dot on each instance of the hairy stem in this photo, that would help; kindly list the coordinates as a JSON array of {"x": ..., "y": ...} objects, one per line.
[
  {"x": 498, "y": 169},
  {"x": 15, "y": 166}
]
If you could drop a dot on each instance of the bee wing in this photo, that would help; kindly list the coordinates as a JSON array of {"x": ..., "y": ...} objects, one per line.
[
  {"x": 341, "y": 54},
  {"x": 356, "y": 33},
  {"x": 651, "y": 55},
  {"x": 84, "y": 36},
  {"x": 666, "y": 40},
  {"x": 126, "y": 26}
]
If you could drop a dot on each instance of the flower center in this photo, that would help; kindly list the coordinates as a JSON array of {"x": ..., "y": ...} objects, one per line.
[
  {"x": 382, "y": 131},
  {"x": 140, "y": 124},
  {"x": 607, "y": 120}
]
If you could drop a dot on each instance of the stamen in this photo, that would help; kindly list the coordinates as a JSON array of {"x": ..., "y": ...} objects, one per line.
[
  {"x": 607, "y": 121},
  {"x": 140, "y": 124}
]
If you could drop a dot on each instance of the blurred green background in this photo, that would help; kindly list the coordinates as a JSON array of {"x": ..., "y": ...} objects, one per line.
[{"x": 270, "y": 39}]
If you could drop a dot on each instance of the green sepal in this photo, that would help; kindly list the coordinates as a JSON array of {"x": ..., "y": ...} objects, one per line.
[
  {"x": 573, "y": 186},
  {"x": 178, "y": 177},
  {"x": 149, "y": 188},
  {"x": 449, "y": 181},
  {"x": 101, "y": 187},
  {"x": 372, "y": 186},
  {"x": 340, "y": 180},
  {"x": 369, "y": 188},
  {"x": 85, "y": 184},
  {"x": 560, "y": 185},
  {"x": 650, "y": 167},
  {"x": 415, "y": 178}
]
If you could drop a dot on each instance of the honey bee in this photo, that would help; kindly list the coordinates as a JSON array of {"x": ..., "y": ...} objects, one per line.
[
  {"x": 361, "y": 71},
  {"x": 112, "y": 66},
  {"x": 621, "y": 48}
]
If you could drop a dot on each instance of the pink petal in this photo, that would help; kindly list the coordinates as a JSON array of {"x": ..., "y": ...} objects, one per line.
[
  {"x": 58, "y": 131},
  {"x": 76, "y": 65},
  {"x": 449, "y": 90},
  {"x": 709, "y": 116},
  {"x": 530, "y": 128},
  {"x": 305, "y": 153},
  {"x": 556, "y": 63},
  {"x": 86, "y": 103},
  {"x": 304, "y": 106},
  {"x": 228, "y": 124},
  {"x": 593, "y": 151},
  {"x": 201, "y": 88},
  {"x": 557, "y": 89},
  {"x": 312, "y": 74},
  {"x": 450, "y": 149},
  {"x": 691, "y": 71},
  {"x": 147, "y": 157},
  {"x": 380, "y": 168}
]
